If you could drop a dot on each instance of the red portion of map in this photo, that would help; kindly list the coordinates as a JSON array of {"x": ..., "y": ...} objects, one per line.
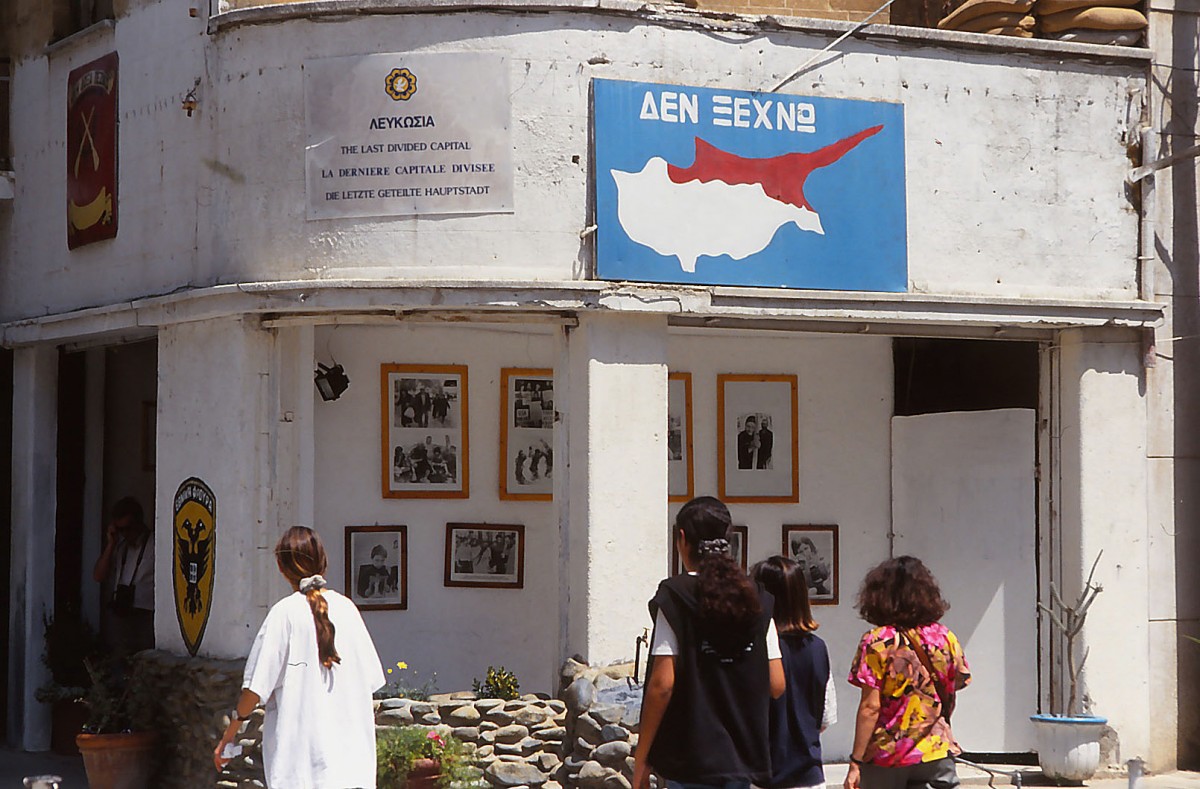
[{"x": 781, "y": 177}]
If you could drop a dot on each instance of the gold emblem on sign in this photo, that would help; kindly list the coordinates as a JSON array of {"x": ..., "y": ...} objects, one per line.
[
  {"x": 194, "y": 548},
  {"x": 401, "y": 84}
]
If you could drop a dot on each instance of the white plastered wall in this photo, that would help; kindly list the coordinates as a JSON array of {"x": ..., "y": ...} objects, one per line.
[{"x": 457, "y": 632}]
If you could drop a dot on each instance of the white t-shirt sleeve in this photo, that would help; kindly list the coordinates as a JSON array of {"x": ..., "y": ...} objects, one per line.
[
  {"x": 829, "y": 716},
  {"x": 773, "y": 650},
  {"x": 268, "y": 655},
  {"x": 665, "y": 641}
]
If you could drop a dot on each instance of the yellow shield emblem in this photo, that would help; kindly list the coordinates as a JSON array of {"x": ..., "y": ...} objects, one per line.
[{"x": 195, "y": 552}]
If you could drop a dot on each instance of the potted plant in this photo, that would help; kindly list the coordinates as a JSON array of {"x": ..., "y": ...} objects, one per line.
[
  {"x": 413, "y": 757},
  {"x": 69, "y": 641},
  {"x": 1069, "y": 744},
  {"x": 117, "y": 745}
]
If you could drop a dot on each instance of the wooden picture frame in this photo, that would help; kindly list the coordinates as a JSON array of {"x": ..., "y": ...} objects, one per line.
[
  {"x": 526, "y": 434},
  {"x": 759, "y": 465},
  {"x": 485, "y": 555},
  {"x": 377, "y": 567},
  {"x": 423, "y": 428},
  {"x": 739, "y": 547},
  {"x": 681, "y": 467},
  {"x": 816, "y": 549}
]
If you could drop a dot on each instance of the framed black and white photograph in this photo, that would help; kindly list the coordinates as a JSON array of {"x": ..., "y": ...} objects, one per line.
[
  {"x": 377, "y": 567},
  {"x": 526, "y": 434},
  {"x": 489, "y": 556},
  {"x": 681, "y": 484},
  {"x": 425, "y": 431},
  {"x": 757, "y": 438},
  {"x": 815, "y": 549},
  {"x": 739, "y": 536}
]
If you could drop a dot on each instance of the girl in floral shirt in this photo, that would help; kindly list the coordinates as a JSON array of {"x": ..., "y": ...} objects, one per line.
[{"x": 902, "y": 736}]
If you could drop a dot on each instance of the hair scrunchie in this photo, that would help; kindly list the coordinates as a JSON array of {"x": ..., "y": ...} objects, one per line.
[
  {"x": 312, "y": 582},
  {"x": 719, "y": 545}
]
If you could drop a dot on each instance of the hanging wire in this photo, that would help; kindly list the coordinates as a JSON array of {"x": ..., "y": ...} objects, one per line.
[{"x": 835, "y": 42}]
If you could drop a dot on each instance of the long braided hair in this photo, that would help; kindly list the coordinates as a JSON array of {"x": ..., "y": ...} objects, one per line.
[
  {"x": 300, "y": 554},
  {"x": 728, "y": 600}
]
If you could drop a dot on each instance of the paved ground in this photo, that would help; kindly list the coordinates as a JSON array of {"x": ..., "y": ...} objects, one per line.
[{"x": 15, "y": 765}]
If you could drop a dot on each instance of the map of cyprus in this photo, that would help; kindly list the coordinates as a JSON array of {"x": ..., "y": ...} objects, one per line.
[{"x": 729, "y": 204}]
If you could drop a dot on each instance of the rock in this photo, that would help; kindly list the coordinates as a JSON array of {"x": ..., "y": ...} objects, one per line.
[
  {"x": 466, "y": 715},
  {"x": 430, "y": 719},
  {"x": 513, "y": 774},
  {"x": 552, "y": 785},
  {"x": 573, "y": 764},
  {"x": 612, "y": 754},
  {"x": 587, "y": 728},
  {"x": 604, "y": 682},
  {"x": 529, "y": 717},
  {"x": 511, "y": 734},
  {"x": 617, "y": 781},
  {"x": 547, "y": 762},
  {"x": 583, "y": 747},
  {"x": 508, "y": 749},
  {"x": 629, "y": 763},
  {"x": 579, "y": 695},
  {"x": 574, "y": 666},
  {"x": 393, "y": 704},
  {"x": 558, "y": 705},
  {"x": 483, "y": 705},
  {"x": 441, "y": 698},
  {"x": 607, "y": 713},
  {"x": 592, "y": 775},
  {"x": 488, "y": 726},
  {"x": 516, "y": 704},
  {"x": 466, "y": 733},
  {"x": 549, "y": 723},
  {"x": 499, "y": 716},
  {"x": 463, "y": 695},
  {"x": 531, "y": 697},
  {"x": 530, "y": 746},
  {"x": 395, "y": 717},
  {"x": 511, "y": 759},
  {"x": 484, "y": 752},
  {"x": 422, "y": 708},
  {"x": 557, "y": 734},
  {"x": 633, "y": 741},
  {"x": 611, "y": 733},
  {"x": 488, "y": 737}
]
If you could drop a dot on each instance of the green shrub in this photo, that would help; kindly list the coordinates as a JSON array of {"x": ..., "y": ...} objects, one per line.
[
  {"x": 500, "y": 683},
  {"x": 396, "y": 749}
]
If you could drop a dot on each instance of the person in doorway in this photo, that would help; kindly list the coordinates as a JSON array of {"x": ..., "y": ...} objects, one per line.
[
  {"x": 715, "y": 665},
  {"x": 319, "y": 728},
  {"x": 809, "y": 706},
  {"x": 747, "y": 442},
  {"x": 125, "y": 568},
  {"x": 909, "y": 667}
]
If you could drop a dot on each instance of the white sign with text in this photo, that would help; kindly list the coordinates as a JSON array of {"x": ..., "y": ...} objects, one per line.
[{"x": 400, "y": 134}]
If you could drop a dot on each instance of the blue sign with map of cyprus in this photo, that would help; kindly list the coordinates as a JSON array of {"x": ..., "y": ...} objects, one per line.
[{"x": 724, "y": 187}]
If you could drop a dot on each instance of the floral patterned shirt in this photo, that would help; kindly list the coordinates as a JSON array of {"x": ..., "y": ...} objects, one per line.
[{"x": 910, "y": 729}]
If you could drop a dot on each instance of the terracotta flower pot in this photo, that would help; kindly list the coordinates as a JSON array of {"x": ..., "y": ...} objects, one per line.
[
  {"x": 425, "y": 774},
  {"x": 118, "y": 761}
]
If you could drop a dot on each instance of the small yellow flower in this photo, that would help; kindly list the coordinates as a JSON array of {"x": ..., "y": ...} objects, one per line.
[
  {"x": 389, "y": 671},
  {"x": 400, "y": 664}
]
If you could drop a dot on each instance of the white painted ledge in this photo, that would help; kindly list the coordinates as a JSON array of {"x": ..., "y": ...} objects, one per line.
[
  {"x": 387, "y": 301},
  {"x": 677, "y": 15}
]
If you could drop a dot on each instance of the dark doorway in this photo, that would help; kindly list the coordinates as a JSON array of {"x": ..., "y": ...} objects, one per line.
[
  {"x": 937, "y": 375},
  {"x": 6, "y": 388}
]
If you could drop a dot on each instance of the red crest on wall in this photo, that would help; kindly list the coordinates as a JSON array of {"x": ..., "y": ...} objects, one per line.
[{"x": 92, "y": 152}]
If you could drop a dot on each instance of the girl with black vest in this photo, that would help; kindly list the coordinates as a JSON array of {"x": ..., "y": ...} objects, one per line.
[
  {"x": 809, "y": 706},
  {"x": 714, "y": 665}
]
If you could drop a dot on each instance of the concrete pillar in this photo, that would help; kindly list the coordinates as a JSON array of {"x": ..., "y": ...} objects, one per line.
[
  {"x": 34, "y": 501},
  {"x": 614, "y": 377},
  {"x": 1102, "y": 435},
  {"x": 216, "y": 422}
]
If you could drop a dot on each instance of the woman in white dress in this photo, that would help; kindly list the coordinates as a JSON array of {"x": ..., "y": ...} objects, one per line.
[{"x": 319, "y": 730}]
